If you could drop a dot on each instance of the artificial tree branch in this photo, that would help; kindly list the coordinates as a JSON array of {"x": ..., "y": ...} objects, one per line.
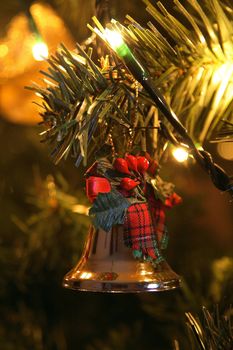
[{"x": 218, "y": 176}]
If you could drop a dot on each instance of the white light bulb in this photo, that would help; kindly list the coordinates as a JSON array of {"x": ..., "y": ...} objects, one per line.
[
  {"x": 114, "y": 38},
  {"x": 40, "y": 51},
  {"x": 180, "y": 154}
]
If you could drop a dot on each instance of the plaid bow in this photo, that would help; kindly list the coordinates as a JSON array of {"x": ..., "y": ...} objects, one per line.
[{"x": 143, "y": 230}]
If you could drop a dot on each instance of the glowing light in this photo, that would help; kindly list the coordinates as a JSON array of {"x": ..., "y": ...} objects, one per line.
[
  {"x": 114, "y": 38},
  {"x": 117, "y": 43},
  {"x": 225, "y": 149},
  {"x": 219, "y": 73},
  {"x": 40, "y": 51},
  {"x": 180, "y": 154},
  {"x": 3, "y": 50}
]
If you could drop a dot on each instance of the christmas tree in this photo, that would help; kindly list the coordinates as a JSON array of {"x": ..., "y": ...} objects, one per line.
[{"x": 44, "y": 218}]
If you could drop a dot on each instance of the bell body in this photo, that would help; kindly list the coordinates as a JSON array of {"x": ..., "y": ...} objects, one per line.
[{"x": 107, "y": 265}]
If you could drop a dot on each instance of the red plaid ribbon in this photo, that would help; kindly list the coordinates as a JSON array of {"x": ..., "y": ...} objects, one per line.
[
  {"x": 158, "y": 218},
  {"x": 143, "y": 230}
]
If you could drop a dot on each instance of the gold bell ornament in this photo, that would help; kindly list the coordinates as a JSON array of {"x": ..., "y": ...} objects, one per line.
[{"x": 124, "y": 248}]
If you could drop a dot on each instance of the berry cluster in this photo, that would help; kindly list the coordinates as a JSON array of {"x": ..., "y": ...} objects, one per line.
[{"x": 135, "y": 167}]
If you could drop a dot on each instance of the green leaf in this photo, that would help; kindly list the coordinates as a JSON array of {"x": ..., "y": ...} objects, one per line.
[{"x": 108, "y": 209}]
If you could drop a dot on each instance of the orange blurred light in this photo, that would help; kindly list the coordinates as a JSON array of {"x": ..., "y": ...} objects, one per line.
[
  {"x": 3, "y": 50},
  {"x": 18, "y": 68}
]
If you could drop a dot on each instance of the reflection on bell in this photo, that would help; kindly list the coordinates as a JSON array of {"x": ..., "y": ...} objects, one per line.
[{"x": 107, "y": 265}]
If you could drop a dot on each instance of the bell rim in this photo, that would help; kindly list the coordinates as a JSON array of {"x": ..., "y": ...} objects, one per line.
[{"x": 116, "y": 287}]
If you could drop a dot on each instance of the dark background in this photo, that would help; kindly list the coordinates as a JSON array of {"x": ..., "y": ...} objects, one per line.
[{"x": 39, "y": 244}]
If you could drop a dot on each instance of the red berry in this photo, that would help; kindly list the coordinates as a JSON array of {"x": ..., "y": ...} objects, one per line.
[
  {"x": 128, "y": 184},
  {"x": 142, "y": 164},
  {"x": 132, "y": 162},
  {"x": 121, "y": 165},
  {"x": 172, "y": 200}
]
